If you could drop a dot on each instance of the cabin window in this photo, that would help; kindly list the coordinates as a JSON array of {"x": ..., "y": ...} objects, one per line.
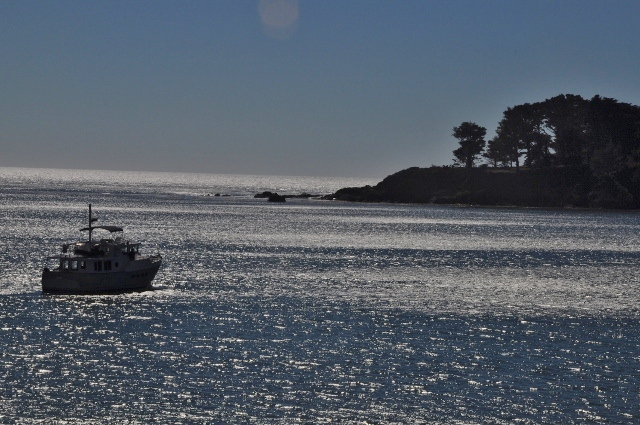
[
  {"x": 97, "y": 266},
  {"x": 83, "y": 265},
  {"x": 64, "y": 264},
  {"x": 74, "y": 265},
  {"x": 107, "y": 265}
]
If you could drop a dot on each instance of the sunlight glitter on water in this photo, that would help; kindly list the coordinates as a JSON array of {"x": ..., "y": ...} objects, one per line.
[{"x": 318, "y": 311}]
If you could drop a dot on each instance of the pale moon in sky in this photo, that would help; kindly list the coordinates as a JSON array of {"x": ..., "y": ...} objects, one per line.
[{"x": 279, "y": 17}]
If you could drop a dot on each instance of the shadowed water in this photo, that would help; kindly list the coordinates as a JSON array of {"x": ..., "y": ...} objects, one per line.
[{"x": 315, "y": 311}]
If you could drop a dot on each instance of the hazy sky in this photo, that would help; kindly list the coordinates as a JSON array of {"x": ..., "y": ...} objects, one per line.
[{"x": 284, "y": 87}]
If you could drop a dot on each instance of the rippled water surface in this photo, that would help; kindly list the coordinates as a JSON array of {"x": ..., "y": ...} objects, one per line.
[{"x": 315, "y": 311}]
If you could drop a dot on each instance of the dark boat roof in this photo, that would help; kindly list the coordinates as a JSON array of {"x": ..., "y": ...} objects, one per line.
[{"x": 109, "y": 228}]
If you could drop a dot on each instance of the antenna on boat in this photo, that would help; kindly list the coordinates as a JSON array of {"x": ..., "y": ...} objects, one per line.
[
  {"x": 91, "y": 220},
  {"x": 90, "y": 228}
]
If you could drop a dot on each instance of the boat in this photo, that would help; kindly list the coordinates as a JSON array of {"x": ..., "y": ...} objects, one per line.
[{"x": 110, "y": 264}]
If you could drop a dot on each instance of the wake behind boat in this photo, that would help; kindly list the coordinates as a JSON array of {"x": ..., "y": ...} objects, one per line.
[{"x": 97, "y": 266}]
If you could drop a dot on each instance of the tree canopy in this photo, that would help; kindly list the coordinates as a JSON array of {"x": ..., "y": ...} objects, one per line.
[
  {"x": 471, "y": 137},
  {"x": 601, "y": 134},
  {"x": 565, "y": 130}
]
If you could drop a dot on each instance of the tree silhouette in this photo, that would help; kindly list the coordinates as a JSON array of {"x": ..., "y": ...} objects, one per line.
[
  {"x": 497, "y": 152},
  {"x": 471, "y": 139},
  {"x": 509, "y": 139},
  {"x": 591, "y": 145},
  {"x": 565, "y": 120}
]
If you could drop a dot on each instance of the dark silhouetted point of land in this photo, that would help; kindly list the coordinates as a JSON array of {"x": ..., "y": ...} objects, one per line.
[{"x": 563, "y": 187}]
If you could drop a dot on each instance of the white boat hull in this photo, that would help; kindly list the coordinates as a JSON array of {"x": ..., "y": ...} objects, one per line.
[{"x": 74, "y": 281}]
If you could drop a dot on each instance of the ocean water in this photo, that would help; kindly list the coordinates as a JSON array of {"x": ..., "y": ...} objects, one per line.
[{"x": 317, "y": 311}]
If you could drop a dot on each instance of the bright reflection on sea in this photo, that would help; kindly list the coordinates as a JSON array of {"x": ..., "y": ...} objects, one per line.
[{"x": 316, "y": 311}]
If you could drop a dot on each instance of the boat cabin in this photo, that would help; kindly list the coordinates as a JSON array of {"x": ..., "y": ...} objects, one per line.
[{"x": 96, "y": 256}]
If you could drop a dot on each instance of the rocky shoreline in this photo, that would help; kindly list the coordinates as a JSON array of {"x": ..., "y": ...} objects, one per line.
[
  {"x": 557, "y": 187},
  {"x": 275, "y": 197}
]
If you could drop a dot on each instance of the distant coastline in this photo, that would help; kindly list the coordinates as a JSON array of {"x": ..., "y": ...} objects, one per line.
[
  {"x": 557, "y": 187},
  {"x": 577, "y": 153}
]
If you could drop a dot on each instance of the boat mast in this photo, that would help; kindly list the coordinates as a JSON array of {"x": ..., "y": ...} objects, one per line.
[{"x": 90, "y": 221}]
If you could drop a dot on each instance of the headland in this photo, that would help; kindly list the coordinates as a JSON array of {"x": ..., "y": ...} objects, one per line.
[{"x": 556, "y": 187}]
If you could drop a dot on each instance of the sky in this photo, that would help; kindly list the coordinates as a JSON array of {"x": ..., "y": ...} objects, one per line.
[{"x": 336, "y": 88}]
